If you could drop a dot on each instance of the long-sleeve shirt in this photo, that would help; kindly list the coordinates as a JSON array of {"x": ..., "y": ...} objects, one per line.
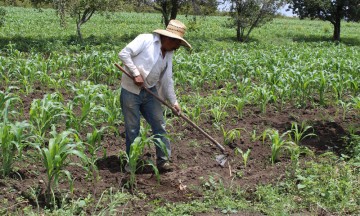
[{"x": 141, "y": 57}]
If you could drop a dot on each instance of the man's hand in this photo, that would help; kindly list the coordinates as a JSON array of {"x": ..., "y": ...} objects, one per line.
[
  {"x": 176, "y": 106},
  {"x": 138, "y": 80}
]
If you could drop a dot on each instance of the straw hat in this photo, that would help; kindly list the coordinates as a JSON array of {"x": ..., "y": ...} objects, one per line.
[{"x": 175, "y": 29}]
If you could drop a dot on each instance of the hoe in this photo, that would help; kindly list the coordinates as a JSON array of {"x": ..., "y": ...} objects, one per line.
[{"x": 221, "y": 159}]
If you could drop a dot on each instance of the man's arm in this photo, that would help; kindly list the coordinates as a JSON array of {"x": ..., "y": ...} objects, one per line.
[{"x": 131, "y": 50}]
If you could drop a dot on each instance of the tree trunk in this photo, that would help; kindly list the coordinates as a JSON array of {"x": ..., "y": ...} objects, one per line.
[
  {"x": 337, "y": 23},
  {"x": 78, "y": 30},
  {"x": 239, "y": 35},
  {"x": 87, "y": 14},
  {"x": 174, "y": 9},
  {"x": 164, "y": 13}
]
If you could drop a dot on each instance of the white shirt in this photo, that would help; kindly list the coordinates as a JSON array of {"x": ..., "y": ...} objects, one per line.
[
  {"x": 156, "y": 72},
  {"x": 143, "y": 56}
]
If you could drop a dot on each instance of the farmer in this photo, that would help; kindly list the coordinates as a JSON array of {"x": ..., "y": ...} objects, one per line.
[{"x": 148, "y": 58}]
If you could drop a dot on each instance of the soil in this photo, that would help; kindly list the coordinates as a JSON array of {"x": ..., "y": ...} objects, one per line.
[{"x": 193, "y": 155}]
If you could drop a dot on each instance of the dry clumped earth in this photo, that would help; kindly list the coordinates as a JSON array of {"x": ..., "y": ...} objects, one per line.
[{"x": 193, "y": 155}]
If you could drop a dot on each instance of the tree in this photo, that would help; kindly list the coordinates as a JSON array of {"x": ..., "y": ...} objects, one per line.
[
  {"x": 333, "y": 11},
  {"x": 249, "y": 14},
  {"x": 81, "y": 10},
  {"x": 170, "y": 8},
  {"x": 2, "y": 16}
]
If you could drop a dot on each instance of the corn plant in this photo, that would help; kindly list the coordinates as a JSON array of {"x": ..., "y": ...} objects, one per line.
[
  {"x": 297, "y": 134},
  {"x": 302, "y": 86},
  {"x": 77, "y": 122},
  {"x": 243, "y": 86},
  {"x": 12, "y": 139},
  {"x": 8, "y": 148},
  {"x": 278, "y": 143},
  {"x": 6, "y": 99},
  {"x": 356, "y": 103},
  {"x": 239, "y": 106},
  {"x": 339, "y": 83},
  {"x": 263, "y": 96},
  {"x": 218, "y": 113},
  {"x": 55, "y": 158},
  {"x": 93, "y": 145},
  {"x": 112, "y": 108},
  {"x": 345, "y": 108},
  {"x": 281, "y": 93},
  {"x": 22, "y": 135},
  {"x": 88, "y": 100},
  {"x": 229, "y": 136},
  {"x": 322, "y": 85},
  {"x": 137, "y": 149},
  {"x": 194, "y": 113},
  {"x": 254, "y": 136},
  {"x": 354, "y": 86},
  {"x": 244, "y": 155},
  {"x": 45, "y": 113}
]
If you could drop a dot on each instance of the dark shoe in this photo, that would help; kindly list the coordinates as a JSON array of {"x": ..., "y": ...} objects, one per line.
[{"x": 165, "y": 166}]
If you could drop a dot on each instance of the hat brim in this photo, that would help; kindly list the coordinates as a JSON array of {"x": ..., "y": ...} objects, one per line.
[{"x": 172, "y": 35}]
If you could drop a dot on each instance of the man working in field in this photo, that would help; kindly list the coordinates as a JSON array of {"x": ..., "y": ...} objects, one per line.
[{"x": 148, "y": 58}]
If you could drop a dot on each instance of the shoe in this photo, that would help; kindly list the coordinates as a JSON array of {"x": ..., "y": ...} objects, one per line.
[{"x": 165, "y": 166}]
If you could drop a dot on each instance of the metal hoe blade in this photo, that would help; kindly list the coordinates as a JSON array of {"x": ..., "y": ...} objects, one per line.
[{"x": 221, "y": 159}]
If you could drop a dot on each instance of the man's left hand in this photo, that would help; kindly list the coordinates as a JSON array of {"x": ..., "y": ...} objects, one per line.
[{"x": 176, "y": 106}]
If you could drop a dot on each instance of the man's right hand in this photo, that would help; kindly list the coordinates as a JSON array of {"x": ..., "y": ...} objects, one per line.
[{"x": 138, "y": 80}]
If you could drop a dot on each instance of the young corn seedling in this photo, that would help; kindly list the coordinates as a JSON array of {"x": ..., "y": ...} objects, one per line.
[
  {"x": 356, "y": 104},
  {"x": 245, "y": 156},
  {"x": 354, "y": 86},
  {"x": 112, "y": 108},
  {"x": 55, "y": 158},
  {"x": 218, "y": 114},
  {"x": 345, "y": 108},
  {"x": 338, "y": 84},
  {"x": 278, "y": 143},
  {"x": 254, "y": 136},
  {"x": 8, "y": 148},
  {"x": 263, "y": 96},
  {"x": 77, "y": 122},
  {"x": 243, "y": 86},
  {"x": 297, "y": 134},
  {"x": 239, "y": 106},
  {"x": 137, "y": 149},
  {"x": 89, "y": 100},
  {"x": 22, "y": 135},
  {"x": 229, "y": 136},
  {"x": 281, "y": 92},
  {"x": 302, "y": 88},
  {"x": 46, "y": 112},
  {"x": 322, "y": 86},
  {"x": 93, "y": 145},
  {"x": 6, "y": 99},
  {"x": 195, "y": 114}
]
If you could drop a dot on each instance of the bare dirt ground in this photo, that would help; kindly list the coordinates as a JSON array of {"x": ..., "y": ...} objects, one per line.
[{"x": 193, "y": 155}]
